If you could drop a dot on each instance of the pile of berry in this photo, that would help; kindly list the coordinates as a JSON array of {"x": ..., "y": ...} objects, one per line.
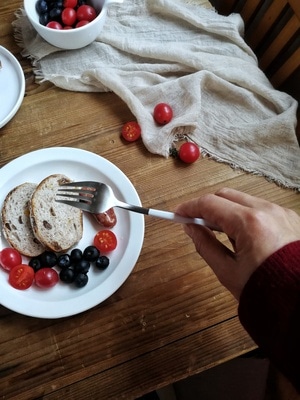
[
  {"x": 74, "y": 267},
  {"x": 65, "y": 14}
]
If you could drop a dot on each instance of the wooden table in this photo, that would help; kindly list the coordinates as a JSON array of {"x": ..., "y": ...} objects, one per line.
[{"x": 171, "y": 318}]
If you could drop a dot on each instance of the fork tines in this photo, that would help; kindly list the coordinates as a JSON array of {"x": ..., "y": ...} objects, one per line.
[
  {"x": 83, "y": 184},
  {"x": 75, "y": 192}
]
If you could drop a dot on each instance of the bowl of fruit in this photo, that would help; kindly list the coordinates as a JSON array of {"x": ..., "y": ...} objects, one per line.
[{"x": 68, "y": 24}]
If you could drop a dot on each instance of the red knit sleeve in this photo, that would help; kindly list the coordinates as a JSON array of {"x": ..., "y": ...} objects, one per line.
[{"x": 269, "y": 310}]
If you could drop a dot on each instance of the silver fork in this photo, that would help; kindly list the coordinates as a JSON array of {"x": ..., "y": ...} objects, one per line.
[{"x": 96, "y": 197}]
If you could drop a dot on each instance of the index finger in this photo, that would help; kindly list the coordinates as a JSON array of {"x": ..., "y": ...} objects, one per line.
[
  {"x": 242, "y": 198},
  {"x": 217, "y": 210}
]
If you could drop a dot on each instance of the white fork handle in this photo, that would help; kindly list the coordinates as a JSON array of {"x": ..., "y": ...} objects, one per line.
[
  {"x": 166, "y": 215},
  {"x": 183, "y": 220}
]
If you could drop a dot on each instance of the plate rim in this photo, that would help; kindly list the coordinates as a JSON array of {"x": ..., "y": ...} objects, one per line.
[
  {"x": 42, "y": 156},
  {"x": 15, "y": 63}
]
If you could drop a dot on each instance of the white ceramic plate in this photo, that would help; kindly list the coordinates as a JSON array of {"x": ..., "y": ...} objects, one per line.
[
  {"x": 64, "y": 300},
  {"x": 12, "y": 86}
]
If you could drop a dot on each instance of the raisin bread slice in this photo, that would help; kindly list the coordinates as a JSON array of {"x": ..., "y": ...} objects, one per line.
[
  {"x": 16, "y": 224},
  {"x": 57, "y": 226}
]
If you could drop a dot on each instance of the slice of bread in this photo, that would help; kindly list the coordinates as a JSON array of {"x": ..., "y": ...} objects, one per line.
[
  {"x": 16, "y": 224},
  {"x": 57, "y": 226}
]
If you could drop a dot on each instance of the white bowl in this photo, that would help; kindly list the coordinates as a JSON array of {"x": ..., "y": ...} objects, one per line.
[{"x": 74, "y": 38}]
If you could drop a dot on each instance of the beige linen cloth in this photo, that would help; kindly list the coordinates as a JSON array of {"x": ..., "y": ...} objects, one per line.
[{"x": 181, "y": 53}]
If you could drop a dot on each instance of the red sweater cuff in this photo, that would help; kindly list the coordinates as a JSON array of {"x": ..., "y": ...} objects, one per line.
[{"x": 269, "y": 309}]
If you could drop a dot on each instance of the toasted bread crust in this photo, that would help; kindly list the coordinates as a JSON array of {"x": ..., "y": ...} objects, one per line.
[
  {"x": 57, "y": 226},
  {"x": 16, "y": 223}
]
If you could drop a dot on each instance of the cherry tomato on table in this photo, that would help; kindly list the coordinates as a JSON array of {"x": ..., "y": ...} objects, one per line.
[
  {"x": 9, "y": 258},
  {"x": 189, "y": 152},
  {"x": 131, "y": 131},
  {"x": 105, "y": 240},
  {"x": 21, "y": 277},
  {"x": 46, "y": 277},
  {"x": 162, "y": 113}
]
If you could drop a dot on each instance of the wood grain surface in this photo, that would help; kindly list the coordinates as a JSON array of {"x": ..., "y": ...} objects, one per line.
[{"x": 171, "y": 318}]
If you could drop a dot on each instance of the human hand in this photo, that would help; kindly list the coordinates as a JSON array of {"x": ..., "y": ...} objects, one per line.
[{"x": 255, "y": 227}]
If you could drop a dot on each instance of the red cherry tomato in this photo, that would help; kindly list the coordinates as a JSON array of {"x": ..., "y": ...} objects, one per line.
[
  {"x": 68, "y": 16},
  {"x": 86, "y": 13},
  {"x": 9, "y": 258},
  {"x": 46, "y": 278},
  {"x": 21, "y": 277},
  {"x": 54, "y": 25},
  {"x": 70, "y": 3},
  {"x": 131, "y": 131},
  {"x": 81, "y": 23},
  {"x": 105, "y": 241},
  {"x": 163, "y": 113},
  {"x": 189, "y": 152}
]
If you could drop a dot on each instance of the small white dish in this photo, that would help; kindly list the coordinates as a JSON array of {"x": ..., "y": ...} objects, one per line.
[
  {"x": 63, "y": 299},
  {"x": 12, "y": 86}
]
